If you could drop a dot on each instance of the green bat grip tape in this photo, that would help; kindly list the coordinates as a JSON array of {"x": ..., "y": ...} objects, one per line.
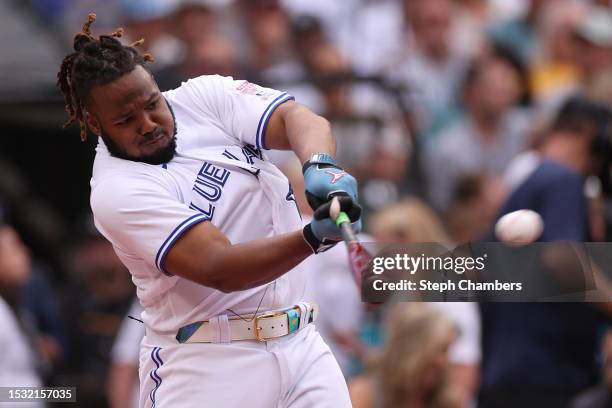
[{"x": 342, "y": 217}]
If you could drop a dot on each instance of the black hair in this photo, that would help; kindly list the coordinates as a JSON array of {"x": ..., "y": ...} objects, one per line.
[
  {"x": 94, "y": 62},
  {"x": 577, "y": 113},
  {"x": 508, "y": 56},
  {"x": 580, "y": 116}
]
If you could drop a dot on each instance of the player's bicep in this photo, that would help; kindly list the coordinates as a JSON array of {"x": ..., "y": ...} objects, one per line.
[
  {"x": 276, "y": 131},
  {"x": 194, "y": 254}
]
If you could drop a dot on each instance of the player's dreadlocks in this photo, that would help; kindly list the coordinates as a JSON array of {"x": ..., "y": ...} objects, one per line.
[{"x": 94, "y": 62}]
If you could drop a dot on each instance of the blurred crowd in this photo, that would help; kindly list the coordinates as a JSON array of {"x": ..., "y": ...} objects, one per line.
[{"x": 450, "y": 113}]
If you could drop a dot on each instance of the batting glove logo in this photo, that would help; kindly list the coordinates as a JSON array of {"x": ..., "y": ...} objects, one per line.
[{"x": 335, "y": 176}]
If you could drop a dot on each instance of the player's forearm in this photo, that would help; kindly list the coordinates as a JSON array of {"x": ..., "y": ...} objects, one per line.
[
  {"x": 308, "y": 133},
  {"x": 254, "y": 263}
]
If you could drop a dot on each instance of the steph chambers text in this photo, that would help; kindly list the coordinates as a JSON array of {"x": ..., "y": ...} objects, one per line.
[{"x": 427, "y": 285}]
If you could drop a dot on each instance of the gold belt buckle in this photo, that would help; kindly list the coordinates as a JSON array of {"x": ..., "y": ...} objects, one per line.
[{"x": 258, "y": 329}]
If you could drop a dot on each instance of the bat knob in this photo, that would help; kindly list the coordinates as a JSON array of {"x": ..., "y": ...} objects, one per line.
[{"x": 334, "y": 209}]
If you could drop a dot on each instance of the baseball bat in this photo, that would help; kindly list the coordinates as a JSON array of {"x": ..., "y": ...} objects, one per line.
[{"x": 359, "y": 258}]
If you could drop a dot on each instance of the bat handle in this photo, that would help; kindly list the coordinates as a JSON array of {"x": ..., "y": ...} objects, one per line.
[{"x": 344, "y": 222}]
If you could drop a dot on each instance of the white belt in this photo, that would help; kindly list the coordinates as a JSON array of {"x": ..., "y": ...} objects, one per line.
[{"x": 261, "y": 327}]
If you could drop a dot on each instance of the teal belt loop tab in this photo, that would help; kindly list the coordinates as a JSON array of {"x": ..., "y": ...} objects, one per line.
[
  {"x": 185, "y": 332},
  {"x": 294, "y": 320}
]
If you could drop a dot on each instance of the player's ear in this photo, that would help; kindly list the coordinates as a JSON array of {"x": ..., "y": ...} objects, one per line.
[{"x": 93, "y": 123}]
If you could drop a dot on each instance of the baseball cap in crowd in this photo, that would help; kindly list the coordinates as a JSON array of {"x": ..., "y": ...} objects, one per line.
[{"x": 596, "y": 27}]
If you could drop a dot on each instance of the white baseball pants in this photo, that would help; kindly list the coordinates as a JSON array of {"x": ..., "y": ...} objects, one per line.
[{"x": 295, "y": 371}]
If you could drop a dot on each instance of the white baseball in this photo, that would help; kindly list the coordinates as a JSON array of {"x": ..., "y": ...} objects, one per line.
[{"x": 519, "y": 227}]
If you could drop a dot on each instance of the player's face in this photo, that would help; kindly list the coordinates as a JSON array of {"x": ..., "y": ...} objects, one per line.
[{"x": 133, "y": 118}]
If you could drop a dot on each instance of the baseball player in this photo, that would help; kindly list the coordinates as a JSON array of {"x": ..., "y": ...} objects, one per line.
[{"x": 209, "y": 228}]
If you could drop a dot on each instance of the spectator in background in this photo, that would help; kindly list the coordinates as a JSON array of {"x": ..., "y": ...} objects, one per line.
[
  {"x": 600, "y": 88},
  {"x": 475, "y": 203},
  {"x": 594, "y": 34},
  {"x": 308, "y": 38},
  {"x": 490, "y": 132},
  {"x": 554, "y": 72},
  {"x": 469, "y": 29},
  {"x": 205, "y": 48},
  {"x": 429, "y": 68},
  {"x": 409, "y": 221},
  {"x": 20, "y": 362},
  {"x": 304, "y": 72},
  {"x": 212, "y": 54},
  {"x": 292, "y": 72},
  {"x": 369, "y": 34},
  {"x": 365, "y": 32},
  {"x": 543, "y": 354},
  {"x": 599, "y": 396},
  {"x": 192, "y": 21},
  {"x": 576, "y": 51},
  {"x": 36, "y": 301},
  {"x": 40, "y": 303},
  {"x": 151, "y": 20},
  {"x": 268, "y": 35},
  {"x": 335, "y": 16},
  {"x": 41, "y": 228},
  {"x": 372, "y": 142},
  {"x": 123, "y": 384},
  {"x": 416, "y": 226},
  {"x": 102, "y": 293},
  {"x": 413, "y": 369},
  {"x": 521, "y": 34}
]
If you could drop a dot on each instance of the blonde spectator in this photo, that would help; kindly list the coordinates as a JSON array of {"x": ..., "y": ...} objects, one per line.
[
  {"x": 410, "y": 220},
  {"x": 413, "y": 369}
]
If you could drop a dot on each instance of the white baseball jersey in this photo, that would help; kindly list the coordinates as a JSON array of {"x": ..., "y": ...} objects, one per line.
[{"x": 218, "y": 175}]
